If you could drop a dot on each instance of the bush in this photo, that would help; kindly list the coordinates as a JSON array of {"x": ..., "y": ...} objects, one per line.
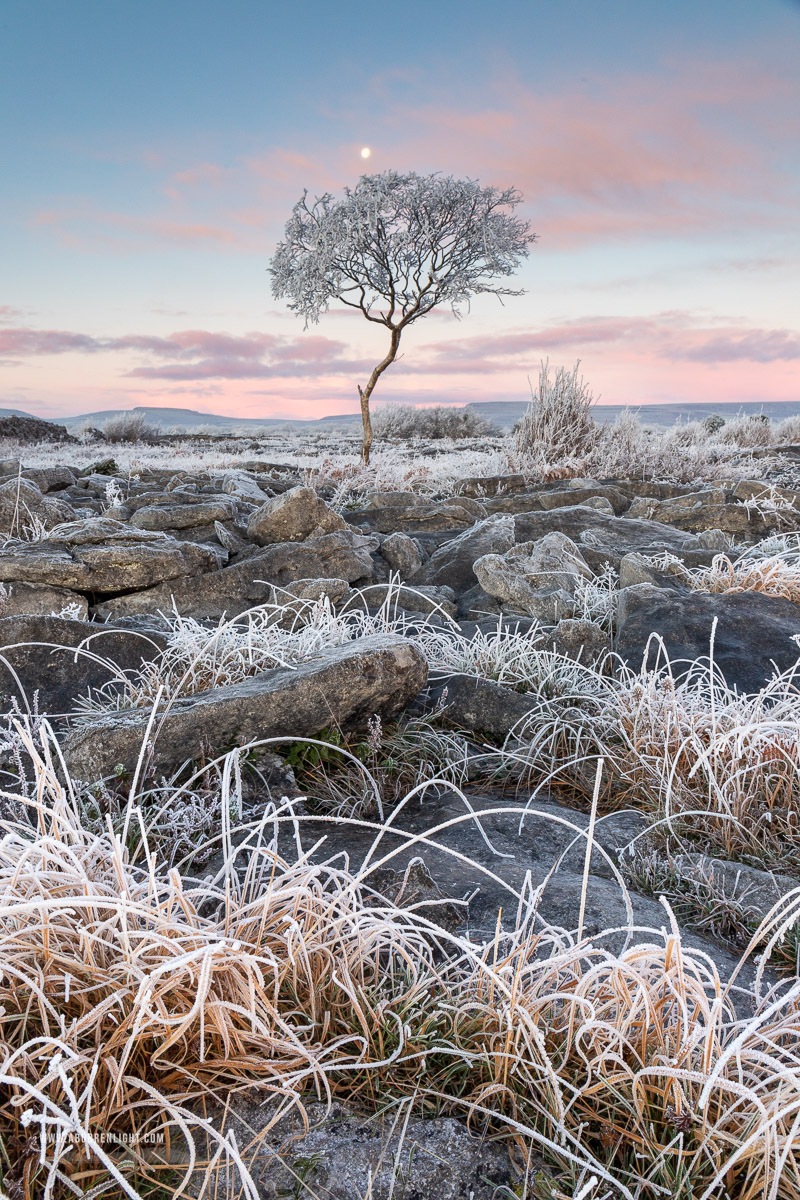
[
  {"x": 559, "y": 422},
  {"x": 747, "y": 432},
  {"x": 787, "y": 431},
  {"x": 405, "y": 421},
  {"x": 129, "y": 427}
]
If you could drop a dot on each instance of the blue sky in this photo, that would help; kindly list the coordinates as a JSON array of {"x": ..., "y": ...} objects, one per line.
[{"x": 156, "y": 149}]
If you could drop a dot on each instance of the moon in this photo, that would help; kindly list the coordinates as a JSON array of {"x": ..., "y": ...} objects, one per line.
[{"x": 366, "y": 152}]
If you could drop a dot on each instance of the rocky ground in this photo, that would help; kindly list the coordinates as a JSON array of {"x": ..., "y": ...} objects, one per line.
[{"x": 103, "y": 573}]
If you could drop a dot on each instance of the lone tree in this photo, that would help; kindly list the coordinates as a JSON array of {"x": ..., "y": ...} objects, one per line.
[{"x": 395, "y": 247}]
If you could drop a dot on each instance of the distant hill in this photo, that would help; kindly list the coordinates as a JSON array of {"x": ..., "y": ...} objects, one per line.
[
  {"x": 190, "y": 419},
  {"x": 504, "y": 414}
]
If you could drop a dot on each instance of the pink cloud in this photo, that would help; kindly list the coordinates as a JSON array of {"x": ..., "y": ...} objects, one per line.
[
  {"x": 671, "y": 336},
  {"x": 683, "y": 150},
  {"x": 29, "y": 342},
  {"x": 83, "y": 225},
  {"x": 758, "y": 345},
  {"x": 196, "y": 353}
]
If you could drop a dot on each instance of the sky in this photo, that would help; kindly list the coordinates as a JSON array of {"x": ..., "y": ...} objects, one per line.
[{"x": 152, "y": 151}]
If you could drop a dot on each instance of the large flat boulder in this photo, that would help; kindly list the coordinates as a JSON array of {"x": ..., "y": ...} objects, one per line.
[
  {"x": 102, "y": 556},
  {"x": 241, "y": 586},
  {"x": 58, "y": 658},
  {"x": 343, "y": 687},
  {"x": 754, "y": 634},
  {"x": 600, "y": 536},
  {"x": 418, "y": 517}
]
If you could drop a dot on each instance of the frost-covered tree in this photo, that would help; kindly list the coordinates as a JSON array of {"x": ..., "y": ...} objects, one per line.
[{"x": 396, "y": 247}]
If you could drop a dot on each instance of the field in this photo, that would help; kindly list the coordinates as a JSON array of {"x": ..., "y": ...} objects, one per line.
[{"x": 426, "y": 829}]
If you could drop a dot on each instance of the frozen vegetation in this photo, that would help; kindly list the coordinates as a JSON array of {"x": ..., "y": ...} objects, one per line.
[{"x": 420, "y": 829}]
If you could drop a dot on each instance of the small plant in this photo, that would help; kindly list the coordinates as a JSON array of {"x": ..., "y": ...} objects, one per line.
[
  {"x": 129, "y": 427},
  {"x": 559, "y": 423}
]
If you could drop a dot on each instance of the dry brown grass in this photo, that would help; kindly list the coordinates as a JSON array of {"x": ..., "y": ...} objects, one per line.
[{"x": 130, "y": 995}]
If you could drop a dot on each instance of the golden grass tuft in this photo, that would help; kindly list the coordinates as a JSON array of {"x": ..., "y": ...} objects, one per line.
[{"x": 132, "y": 995}]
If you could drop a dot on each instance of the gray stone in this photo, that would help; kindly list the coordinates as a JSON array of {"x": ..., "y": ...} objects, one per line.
[
  {"x": 102, "y": 556},
  {"x": 639, "y": 568},
  {"x": 41, "y": 653},
  {"x": 250, "y": 582},
  {"x": 600, "y": 537},
  {"x": 756, "y": 891},
  {"x": 634, "y": 596},
  {"x": 347, "y": 1155},
  {"x": 342, "y": 688},
  {"x": 599, "y": 504},
  {"x": 538, "y": 578},
  {"x": 546, "y": 498},
  {"x": 392, "y": 500},
  {"x": 754, "y": 633},
  {"x": 28, "y": 599},
  {"x": 339, "y": 555},
  {"x": 183, "y": 516},
  {"x": 402, "y": 554},
  {"x": 293, "y": 516},
  {"x": 297, "y": 598},
  {"x": 481, "y": 486},
  {"x": 709, "y": 509},
  {"x": 244, "y": 487},
  {"x": 421, "y": 598},
  {"x": 22, "y": 507},
  {"x": 480, "y": 705},
  {"x": 582, "y": 640},
  {"x": 452, "y": 563},
  {"x": 438, "y": 517},
  {"x": 229, "y": 537},
  {"x": 50, "y": 479},
  {"x": 715, "y": 539}
]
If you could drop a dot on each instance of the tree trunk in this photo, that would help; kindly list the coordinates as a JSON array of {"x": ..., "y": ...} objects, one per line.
[
  {"x": 366, "y": 444},
  {"x": 365, "y": 393}
]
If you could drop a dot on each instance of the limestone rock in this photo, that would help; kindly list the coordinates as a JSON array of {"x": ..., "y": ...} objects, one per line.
[
  {"x": 22, "y": 506},
  {"x": 343, "y": 687},
  {"x": 163, "y": 517},
  {"x": 452, "y": 563},
  {"x": 99, "y": 555},
  {"x": 251, "y": 582},
  {"x": 293, "y": 516},
  {"x": 41, "y": 651},
  {"x": 754, "y": 633},
  {"x": 29, "y": 599},
  {"x": 402, "y": 554},
  {"x": 346, "y": 1154},
  {"x": 538, "y": 578}
]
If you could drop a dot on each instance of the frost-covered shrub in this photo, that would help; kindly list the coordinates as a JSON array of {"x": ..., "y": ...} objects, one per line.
[
  {"x": 787, "y": 432},
  {"x": 129, "y": 427},
  {"x": 755, "y": 431},
  {"x": 559, "y": 422},
  {"x": 441, "y": 421}
]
